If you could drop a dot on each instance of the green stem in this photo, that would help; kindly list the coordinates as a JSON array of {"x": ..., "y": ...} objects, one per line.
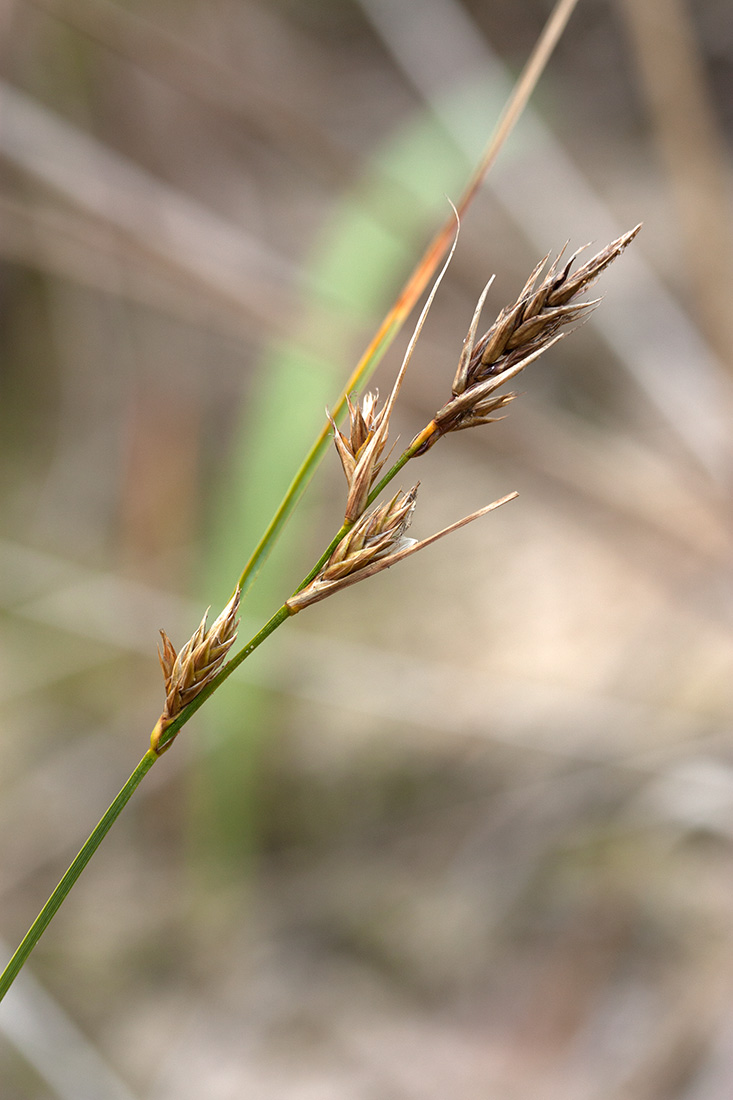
[
  {"x": 404, "y": 458},
  {"x": 90, "y": 846}
]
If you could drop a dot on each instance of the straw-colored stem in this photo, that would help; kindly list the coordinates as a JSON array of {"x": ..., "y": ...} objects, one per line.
[{"x": 88, "y": 849}]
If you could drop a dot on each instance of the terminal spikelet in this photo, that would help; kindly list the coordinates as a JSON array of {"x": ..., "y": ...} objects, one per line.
[{"x": 520, "y": 334}]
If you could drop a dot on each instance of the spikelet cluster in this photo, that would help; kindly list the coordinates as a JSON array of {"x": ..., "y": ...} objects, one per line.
[
  {"x": 374, "y": 540},
  {"x": 522, "y": 332}
]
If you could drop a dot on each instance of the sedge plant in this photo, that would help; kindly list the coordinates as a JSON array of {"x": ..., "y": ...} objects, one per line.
[{"x": 373, "y": 536}]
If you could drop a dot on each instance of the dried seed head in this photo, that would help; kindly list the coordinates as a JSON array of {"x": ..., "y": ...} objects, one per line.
[
  {"x": 188, "y": 672},
  {"x": 379, "y": 544},
  {"x": 521, "y": 333},
  {"x": 361, "y": 452},
  {"x": 537, "y": 315},
  {"x": 377, "y": 534}
]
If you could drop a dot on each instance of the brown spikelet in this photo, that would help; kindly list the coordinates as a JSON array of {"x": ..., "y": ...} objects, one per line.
[
  {"x": 520, "y": 334},
  {"x": 376, "y": 543},
  {"x": 361, "y": 451},
  {"x": 374, "y": 536},
  {"x": 187, "y": 673}
]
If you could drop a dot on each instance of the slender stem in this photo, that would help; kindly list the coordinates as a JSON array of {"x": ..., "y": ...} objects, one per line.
[
  {"x": 88, "y": 849},
  {"x": 404, "y": 458},
  {"x": 295, "y": 490}
]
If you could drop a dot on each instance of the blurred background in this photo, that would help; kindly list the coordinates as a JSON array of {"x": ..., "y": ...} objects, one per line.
[{"x": 465, "y": 830}]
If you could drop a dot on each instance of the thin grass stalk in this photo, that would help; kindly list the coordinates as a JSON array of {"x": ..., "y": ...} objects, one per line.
[{"x": 46, "y": 915}]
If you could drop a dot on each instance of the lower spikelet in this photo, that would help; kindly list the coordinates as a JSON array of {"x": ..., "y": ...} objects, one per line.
[{"x": 187, "y": 673}]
